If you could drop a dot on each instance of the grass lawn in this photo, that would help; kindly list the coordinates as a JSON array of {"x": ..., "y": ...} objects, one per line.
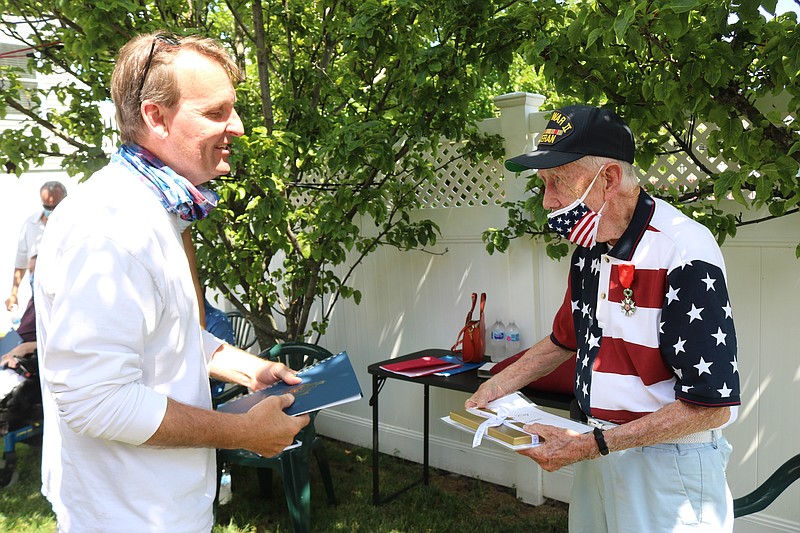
[{"x": 450, "y": 503}]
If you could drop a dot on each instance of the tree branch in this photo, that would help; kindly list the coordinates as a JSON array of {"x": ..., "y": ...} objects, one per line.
[{"x": 61, "y": 134}]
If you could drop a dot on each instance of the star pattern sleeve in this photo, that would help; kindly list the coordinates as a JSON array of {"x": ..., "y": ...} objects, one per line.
[{"x": 698, "y": 339}]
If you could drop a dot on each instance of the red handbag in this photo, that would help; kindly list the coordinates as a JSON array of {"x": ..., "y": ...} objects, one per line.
[{"x": 472, "y": 337}]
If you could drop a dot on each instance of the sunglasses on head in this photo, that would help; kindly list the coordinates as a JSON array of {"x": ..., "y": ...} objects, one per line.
[{"x": 166, "y": 38}]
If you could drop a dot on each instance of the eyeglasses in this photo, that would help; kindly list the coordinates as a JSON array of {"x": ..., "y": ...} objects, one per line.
[
  {"x": 167, "y": 38},
  {"x": 559, "y": 184}
]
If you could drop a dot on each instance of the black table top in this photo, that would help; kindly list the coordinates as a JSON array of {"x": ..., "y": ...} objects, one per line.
[{"x": 465, "y": 381}]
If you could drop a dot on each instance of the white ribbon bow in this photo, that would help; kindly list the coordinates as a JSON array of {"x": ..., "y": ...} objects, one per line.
[
  {"x": 498, "y": 419},
  {"x": 495, "y": 420}
]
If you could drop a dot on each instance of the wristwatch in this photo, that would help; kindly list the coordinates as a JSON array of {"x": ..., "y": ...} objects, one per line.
[{"x": 601, "y": 441}]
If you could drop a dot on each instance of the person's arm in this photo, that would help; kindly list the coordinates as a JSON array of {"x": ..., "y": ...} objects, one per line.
[
  {"x": 563, "y": 447},
  {"x": 265, "y": 429},
  {"x": 544, "y": 357},
  {"x": 22, "y": 260},
  {"x": 235, "y": 365},
  {"x": 19, "y": 351},
  {"x": 12, "y": 301}
]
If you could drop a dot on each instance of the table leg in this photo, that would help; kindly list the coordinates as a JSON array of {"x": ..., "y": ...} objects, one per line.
[
  {"x": 376, "y": 498},
  {"x": 426, "y": 439},
  {"x": 377, "y": 384}
]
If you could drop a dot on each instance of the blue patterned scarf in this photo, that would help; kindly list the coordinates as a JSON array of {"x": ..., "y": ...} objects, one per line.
[{"x": 176, "y": 193}]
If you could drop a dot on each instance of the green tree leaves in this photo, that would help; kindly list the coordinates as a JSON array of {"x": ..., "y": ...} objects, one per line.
[
  {"x": 666, "y": 66},
  {"x": 345, "y": 101}
]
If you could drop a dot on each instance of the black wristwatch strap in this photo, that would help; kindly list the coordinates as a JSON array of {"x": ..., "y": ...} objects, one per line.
[{"x": 601, "y": 441}]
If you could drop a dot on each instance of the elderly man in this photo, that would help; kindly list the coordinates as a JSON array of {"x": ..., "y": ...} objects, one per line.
[
  {"x": 647, "y": 315},
  {"x": 51, "y": 194},
  {"x": 129, "y": 431}
]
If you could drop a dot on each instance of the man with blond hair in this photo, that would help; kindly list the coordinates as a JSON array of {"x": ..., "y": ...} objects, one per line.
[{"x": 130, "y": 436}]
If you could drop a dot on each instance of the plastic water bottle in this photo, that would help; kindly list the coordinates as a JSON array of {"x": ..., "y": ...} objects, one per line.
[
  {"x": 225, "y": 485},
  {"x": 512, "y": 339},
  {"x": 497, "y": 337},
  {"x": 16, "y": 317}
]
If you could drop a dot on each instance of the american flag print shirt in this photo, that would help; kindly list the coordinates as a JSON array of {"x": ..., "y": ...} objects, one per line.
[{"x": 680, "y": 343}]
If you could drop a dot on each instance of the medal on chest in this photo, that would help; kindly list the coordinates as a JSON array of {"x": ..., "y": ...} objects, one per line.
[{"x": 628, "y": 306}]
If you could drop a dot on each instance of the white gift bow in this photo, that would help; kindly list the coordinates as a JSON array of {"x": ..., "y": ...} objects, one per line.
[{"x": 497, "y": 419}]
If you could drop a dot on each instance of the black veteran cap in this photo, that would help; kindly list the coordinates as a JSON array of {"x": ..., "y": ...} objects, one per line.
[{"x": 576, "y": 131}]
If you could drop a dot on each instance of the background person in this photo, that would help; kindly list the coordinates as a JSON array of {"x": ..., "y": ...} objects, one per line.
[
  {"x": 9, "y": 378},
  {"x": 647, "y": 315},
  {"x": 124, "y": 360},
  {"x": 51, "y": 193}
]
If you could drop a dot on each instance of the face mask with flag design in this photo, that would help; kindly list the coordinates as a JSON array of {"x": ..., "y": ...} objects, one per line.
[{"x": 576, "y": 222}]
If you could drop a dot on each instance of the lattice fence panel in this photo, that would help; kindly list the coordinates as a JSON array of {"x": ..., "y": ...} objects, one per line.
[
  {"x": 678, "y": 170},
  {"x": 461, "y": 182},
  {"x": 305, "y": 196}
]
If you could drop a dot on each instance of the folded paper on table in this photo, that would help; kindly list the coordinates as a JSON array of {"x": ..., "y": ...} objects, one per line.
[
  {"x": 330, "y": 382},
  {"x": 421, "y": 366},
  {"x": 462, "y": 367},
  {"x": 503, "y": 419}
]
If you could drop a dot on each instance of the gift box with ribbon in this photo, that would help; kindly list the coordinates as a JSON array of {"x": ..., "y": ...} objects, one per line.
[{"x": 505, "y": 432}]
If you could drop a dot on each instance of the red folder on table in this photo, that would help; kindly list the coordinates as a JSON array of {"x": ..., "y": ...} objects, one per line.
[{"x": 421, "y": 366}]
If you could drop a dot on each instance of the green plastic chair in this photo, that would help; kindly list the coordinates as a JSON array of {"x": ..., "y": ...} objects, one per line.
[
  {"x": 243, "y": 332},
  {"x": 765, "y": 494},
  {"x": 293, "y": 464}
]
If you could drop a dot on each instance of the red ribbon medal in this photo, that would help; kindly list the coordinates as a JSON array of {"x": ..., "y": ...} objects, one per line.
[{"x": 628, "y": 306}]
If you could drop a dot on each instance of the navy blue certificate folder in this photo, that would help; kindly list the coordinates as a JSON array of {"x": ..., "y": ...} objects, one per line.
[{"x": 330, "y": 382}]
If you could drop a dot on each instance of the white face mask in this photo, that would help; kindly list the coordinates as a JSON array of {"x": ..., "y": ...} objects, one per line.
[{"x": 576, "y": 222}]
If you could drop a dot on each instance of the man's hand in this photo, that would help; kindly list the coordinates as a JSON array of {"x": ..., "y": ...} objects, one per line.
[
  {"x": 265, "y": 429},
  {"x": 273, "y": 372},
  {"x": 488, "y": 391},
  {"x": 9, "y": 361},
  {"x": 272, "y": 429},
  {"x": 560, "y": 447},
  {"x": 20, "y": 351},
  {"x": 541, "y": 359},
  {"x": 11, "y": 302}
]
